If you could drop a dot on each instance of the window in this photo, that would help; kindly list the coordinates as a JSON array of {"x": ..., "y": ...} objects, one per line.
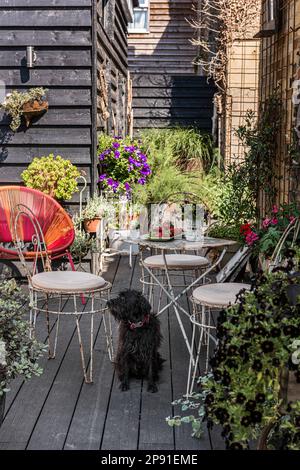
[{"x": 140, "y": 22}]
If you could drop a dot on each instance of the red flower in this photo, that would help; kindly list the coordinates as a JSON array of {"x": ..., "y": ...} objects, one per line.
[{"x": 245, "y": 229}]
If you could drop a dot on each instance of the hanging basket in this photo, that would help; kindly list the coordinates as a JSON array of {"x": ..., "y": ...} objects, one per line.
[{"x": 33, "y": 109}]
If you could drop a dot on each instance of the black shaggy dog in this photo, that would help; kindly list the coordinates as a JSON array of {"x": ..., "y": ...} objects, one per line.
[{"x": 139, "y": 339}]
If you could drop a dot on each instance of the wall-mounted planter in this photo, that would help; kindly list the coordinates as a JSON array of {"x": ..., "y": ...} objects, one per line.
[{"x": 33, "y": 109}]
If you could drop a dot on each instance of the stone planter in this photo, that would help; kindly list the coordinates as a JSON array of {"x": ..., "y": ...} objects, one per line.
[{"x": 2, "y": 407}]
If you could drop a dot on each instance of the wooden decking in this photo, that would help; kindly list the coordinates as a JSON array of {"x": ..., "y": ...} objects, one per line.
[{"x": 59, "y": 411}]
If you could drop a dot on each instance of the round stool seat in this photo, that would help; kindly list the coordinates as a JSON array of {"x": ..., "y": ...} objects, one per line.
[
  {"x": 218, "y": 295},
  {"x": 67, "y": 281},
  {"x": 174, "y": 261}
]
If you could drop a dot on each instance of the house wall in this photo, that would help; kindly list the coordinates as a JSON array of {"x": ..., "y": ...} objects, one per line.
[
  {"x": 168, "y": 90},
  {"x": 74, "y": 40},
  {"x": 61, "y": 32},
  {"x": 280, "y": 68}
]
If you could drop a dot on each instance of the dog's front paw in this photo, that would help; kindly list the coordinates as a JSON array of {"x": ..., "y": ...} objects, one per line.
[
  {"x": 124, "y": 386},
  {"x": 152, "y": 388}
]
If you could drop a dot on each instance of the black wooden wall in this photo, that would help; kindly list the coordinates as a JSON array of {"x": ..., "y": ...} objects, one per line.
[
  {"x": 172, "y": 100},
  {"x": 61, "y": 32}
]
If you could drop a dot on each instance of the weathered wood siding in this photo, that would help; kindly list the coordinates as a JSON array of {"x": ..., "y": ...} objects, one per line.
[
  {"x": 61, "y": 33},
  {"x": 280, "y": 68},
  {"x": 168, "y": 90},
  {"x": 112, "y": 66}
]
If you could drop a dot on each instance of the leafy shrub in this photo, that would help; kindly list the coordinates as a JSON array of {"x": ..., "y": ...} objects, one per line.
[
  {"x": 52, "y": 175},
  {"x": 18, "y": 353}
]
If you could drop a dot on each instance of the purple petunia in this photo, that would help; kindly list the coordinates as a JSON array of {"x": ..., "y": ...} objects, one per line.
[
  {"x": 102, "y": 177},
  {"x": 110, "y": 181},
  {"x": 117, "y": 154},
  {"x": 116, "y": 145},
  {"x": 127, "y": 186},
  {"x": 130, "y": 148},
  {"x": 142, "y": 181},
  {"x": 101, "y": 156}
]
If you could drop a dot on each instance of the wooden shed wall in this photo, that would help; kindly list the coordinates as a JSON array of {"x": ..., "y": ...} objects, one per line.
[
  {"x": 168, "y": 90},
  {"x": 112, "y": 66},
  {"x": 61, "y": 32},
  {"x": 280, "y": 68}
]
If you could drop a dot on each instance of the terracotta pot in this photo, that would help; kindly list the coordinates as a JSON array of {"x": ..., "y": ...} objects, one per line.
[
  {"x": 2, "y": 407},
  {"x": 92, "y": 225},
  {"x": 34, "y": 108}
]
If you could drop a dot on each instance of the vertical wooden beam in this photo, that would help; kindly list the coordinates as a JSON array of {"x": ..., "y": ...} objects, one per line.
[{"x": 94, "y": 162}]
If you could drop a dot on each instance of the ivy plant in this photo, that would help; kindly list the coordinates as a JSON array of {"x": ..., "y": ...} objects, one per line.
[
  {"x": 18, "y": 353},
  {"x": 242, "y": 394}
]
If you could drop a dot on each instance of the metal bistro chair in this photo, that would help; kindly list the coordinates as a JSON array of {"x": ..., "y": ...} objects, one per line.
[
  {"x": 69, "y": 285},
  {"x": 160, "y": 270},
  {"x": 205, "y": 299},
  {"x": 218, "y": 296}
]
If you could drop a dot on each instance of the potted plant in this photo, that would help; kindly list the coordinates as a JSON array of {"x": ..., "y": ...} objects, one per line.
[
  {"x": 28, "y": 104},
  {"x": 97, "y": 208},
  {"x": 18, "y": 353},
  {"x": 52, "y": 175},
  {"x": 81, "y": 246},
  {"x": 122, "y": 164},
  {"x": 264, "y": 239},
  {"x": 247, "y": 391}
]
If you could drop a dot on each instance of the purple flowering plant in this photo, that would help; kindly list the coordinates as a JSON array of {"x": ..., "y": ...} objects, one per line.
[{"x": 122, "y": 164}]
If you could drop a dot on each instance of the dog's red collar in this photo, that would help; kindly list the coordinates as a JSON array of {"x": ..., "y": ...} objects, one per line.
[{"x": 140, "y": 324}]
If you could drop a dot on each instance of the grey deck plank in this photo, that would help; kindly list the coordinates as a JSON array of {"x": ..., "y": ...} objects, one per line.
[
  {"x": 53, "y": 423},
  {"x": 180, "y": 364},
  {"x": 25, "y": 409},
  {"x": 122, "y": 421},
  {"x": 58, "y": 411},
  {"x": 87, "y": 424},
  {"x": 156, "y": 406}
]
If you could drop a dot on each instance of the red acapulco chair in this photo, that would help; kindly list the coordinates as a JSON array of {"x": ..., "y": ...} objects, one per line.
[{"x": 56, "y": 225}]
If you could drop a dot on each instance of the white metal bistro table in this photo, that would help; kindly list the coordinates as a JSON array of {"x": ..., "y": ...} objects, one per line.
[{"x": 206, "y": 243}]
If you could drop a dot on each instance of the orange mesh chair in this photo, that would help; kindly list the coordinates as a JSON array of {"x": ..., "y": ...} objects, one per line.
[{"x": 56, "y": 225}]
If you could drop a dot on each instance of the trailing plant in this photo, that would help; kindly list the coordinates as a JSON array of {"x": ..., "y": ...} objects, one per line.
[
  {"x": 122, "y": 164},
  {"x": 259, "y": 170},
  {"x": 15, "y": 101},
  {"x": 18, "y": 353},
  {"x": 243, "y": 393},
  {"x": 52, "y": 175}
]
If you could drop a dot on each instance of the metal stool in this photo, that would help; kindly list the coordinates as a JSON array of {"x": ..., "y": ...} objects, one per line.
[{"x": 205, "y": 299}]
